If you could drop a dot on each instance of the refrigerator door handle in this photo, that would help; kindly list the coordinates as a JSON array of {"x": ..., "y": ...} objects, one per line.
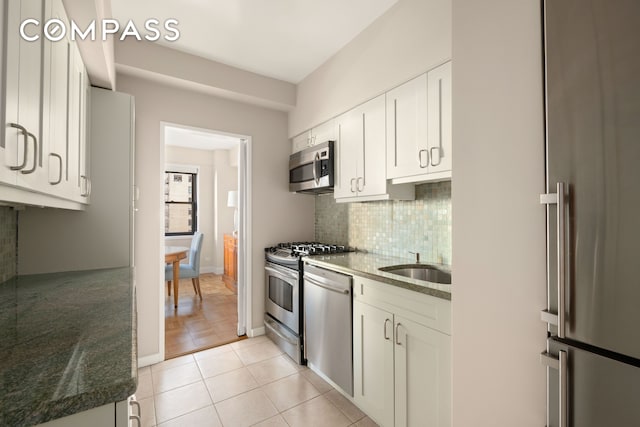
[
  {"x": 559, "y": 363},
  {"x": 558, "y": 198}
]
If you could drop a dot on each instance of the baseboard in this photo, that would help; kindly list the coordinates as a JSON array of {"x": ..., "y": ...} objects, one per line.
[
  {"x": 214, "y": 270},
  {"x": 152, "y": 359},
  {"x": 256, "y": 332}
]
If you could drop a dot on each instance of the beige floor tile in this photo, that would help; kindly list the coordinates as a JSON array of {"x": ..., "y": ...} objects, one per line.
[
  {"x": 365, "y": 422},
  {"x": 349, "y": 409},
  {"x": 147, "y": 412},
  {"x": 290, "y": 391},
  {"x": 249, "y": 342},
  {"x": 246, "y": 409},
  {"x": 258, "y": 352},
  {"x": 276, "y": 421},
  {"x": 172, "y": 363},
  {"x": 201, "y": 355},
  {"x": 145, "y": 386},
  {"x": 144, "y": 370},
  {"x": 316, "y": 380},
  {"x": 181, "y": 401},
  {"x": 230, "y": 384},
  {"x": 271, "y": 370},
  {"x": 205, "y": 417},
  {"x": 179, "y": 376},
  {"x": 318, "y": 412},
  {"x": 219, "y": 364}
]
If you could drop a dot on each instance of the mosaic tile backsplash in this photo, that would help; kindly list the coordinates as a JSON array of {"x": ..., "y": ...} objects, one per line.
[
  {"x": 391, "y": 228},
  {"x": 8, "y": 226}
]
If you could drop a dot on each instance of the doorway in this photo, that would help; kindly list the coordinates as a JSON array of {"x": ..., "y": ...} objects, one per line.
[{"x": 206, "y": 188}]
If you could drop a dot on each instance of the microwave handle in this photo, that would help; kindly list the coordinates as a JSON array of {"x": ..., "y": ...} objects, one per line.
[{"x": 315, "y": 170}]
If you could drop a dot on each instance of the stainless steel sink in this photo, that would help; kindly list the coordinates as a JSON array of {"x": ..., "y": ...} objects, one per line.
[{"x": 420, "y": 272}]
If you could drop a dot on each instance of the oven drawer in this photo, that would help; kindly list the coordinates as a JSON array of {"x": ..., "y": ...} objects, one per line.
[{"x": 283, "y": 337}]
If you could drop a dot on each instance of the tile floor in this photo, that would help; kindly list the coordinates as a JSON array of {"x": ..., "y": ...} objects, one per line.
[
  {"x": 196, "y": 324},
  {"x": 245, "y": 383}
]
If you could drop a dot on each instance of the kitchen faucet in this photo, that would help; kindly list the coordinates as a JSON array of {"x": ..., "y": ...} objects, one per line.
[{"x": 417, "y": 254}]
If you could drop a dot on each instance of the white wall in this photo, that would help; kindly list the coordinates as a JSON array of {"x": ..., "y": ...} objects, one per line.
[
  {"x": 215, "y": 178},
  {"x": 277, "y": 216},
  {"x": 411, "y": 38},
  {"x": 498, "y": 224}
]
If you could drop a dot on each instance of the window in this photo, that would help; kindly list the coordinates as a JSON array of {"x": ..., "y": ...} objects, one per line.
[{"x": 180, "y": 207}]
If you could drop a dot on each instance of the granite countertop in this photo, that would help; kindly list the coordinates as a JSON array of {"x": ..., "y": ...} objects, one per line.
[
  {"x": 68, "y": 344},
  {"x": 366, "y": 265}
]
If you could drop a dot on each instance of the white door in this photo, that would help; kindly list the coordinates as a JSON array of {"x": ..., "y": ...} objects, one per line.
[
  {"x": 323, "y": 133},
  {"x": 373, "y": 362},
  {"x": 407, "y": 152},
  {"x": 439, "y": 118},
  {"x": 300, "y": 142},
  {"x": 423, "y": 375}
]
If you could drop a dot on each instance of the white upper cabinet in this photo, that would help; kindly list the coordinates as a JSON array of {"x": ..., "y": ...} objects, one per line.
[
  {"x": 22, "y": 143},
  {"x": 419, "y": 128},
  {"x": 321, "y": 133},
  {"x": 407, "y": 129},
  {"x": 360, "y": 156},
  {"x": 42, "y": 153}
]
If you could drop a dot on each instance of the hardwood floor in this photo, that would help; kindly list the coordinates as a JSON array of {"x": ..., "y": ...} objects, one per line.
[{"x": 197, "y": 325}]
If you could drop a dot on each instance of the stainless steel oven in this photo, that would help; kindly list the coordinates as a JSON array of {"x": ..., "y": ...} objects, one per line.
[{"x": 282, "y": 295}]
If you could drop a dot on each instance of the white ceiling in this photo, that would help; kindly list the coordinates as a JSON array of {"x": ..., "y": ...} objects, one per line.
[
  {"x": 199, "y": 139},
  {"x": 284, "y": 39}
]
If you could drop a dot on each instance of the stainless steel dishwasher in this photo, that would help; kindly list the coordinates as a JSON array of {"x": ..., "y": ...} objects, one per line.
[{"x": 328, "y": 342}]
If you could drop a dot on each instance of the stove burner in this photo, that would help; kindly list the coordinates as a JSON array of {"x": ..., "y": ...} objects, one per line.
[{"x": 295, "y": 250}]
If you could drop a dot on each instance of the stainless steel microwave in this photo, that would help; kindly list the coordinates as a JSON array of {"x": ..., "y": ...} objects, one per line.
[{"x": 311, "y": 170}]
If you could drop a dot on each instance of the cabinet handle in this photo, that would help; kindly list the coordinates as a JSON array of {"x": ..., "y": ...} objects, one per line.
[
  {"x": 87, "y": 191},
  {"x": 353, "y": 180},
  {"x": 422, "y": 166},
  {"x": 395, "y": 133},
  {"x": 137, "y": 419},
  {"x": 397, "y": 334},
  {"x": 358, "y": 181},
  {"x": 35, "y": 155},
  {"x": 385, "y": 329},
  {"x": 137, "y": 405},
  {"x": 26, "y": 143},
  {"x": 59, "y": 157},
  {"x": 439, "y": 156}
]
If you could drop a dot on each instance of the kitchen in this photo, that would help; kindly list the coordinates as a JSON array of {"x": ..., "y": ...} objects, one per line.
[{"x": 498, "y": 250}]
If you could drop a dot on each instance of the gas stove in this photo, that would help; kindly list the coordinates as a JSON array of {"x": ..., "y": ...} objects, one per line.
[{"x": 289, "y": 254}]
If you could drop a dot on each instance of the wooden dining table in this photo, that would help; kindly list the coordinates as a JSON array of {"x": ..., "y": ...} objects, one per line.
[{"x": 173, "y": 255}]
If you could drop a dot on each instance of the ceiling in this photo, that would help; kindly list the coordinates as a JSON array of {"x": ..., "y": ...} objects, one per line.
[{"x": 283, "y": 39}]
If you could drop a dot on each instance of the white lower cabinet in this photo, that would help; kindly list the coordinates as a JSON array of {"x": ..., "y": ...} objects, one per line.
[
  {"x": 118, "y": 414},
  {"x": 402, "y": 356}
]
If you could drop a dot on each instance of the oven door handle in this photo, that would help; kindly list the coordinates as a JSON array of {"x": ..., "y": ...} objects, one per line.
[{"x": 281, "y": 273}]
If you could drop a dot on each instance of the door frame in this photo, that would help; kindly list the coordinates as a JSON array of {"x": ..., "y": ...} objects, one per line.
[{"x": 244, "y": 230}]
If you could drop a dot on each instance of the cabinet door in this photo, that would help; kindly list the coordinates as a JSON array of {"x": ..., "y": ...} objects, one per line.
[
  {"x": 56, "y": 104},
  {"x": 439, "y": 118},
  {"x": 74, "y": 174},
  {"x": 407, "y": 152},
  {"x": 423, "y": 375},
  {"x": 373, "y": 362},
  {"x": 323, "y": 133},
  {"x": 7, "y": 151},
  {"x": 23, "y": 96},
  {"x": 348, "y": 152},
  {"x": 371, "y": 179},
  {"x": 301, "y": 142}
]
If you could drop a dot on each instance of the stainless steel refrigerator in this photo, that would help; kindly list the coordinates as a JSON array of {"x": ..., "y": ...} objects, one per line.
[{"x": 592, "y": 64}]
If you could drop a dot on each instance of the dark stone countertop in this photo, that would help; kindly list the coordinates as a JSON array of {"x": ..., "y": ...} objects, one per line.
[
  {"x": 68, "y": 344},
  {"x": 366, "y": 265}
]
